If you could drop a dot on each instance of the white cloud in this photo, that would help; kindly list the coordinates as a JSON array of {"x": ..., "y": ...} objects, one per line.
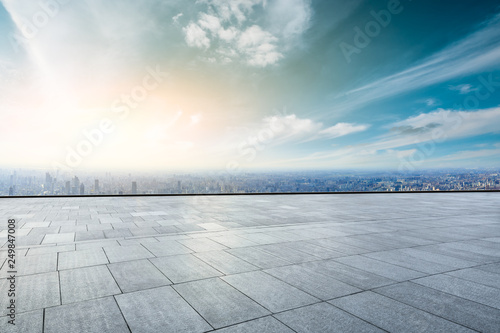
[
  {"x": 342, "y": 129},
  {"x": 454, "y": 124},
  {"x": 292, "y": 128},
  {"x": 177, "y": 17},
  {"x": 431, "y": 101},
  {"x": 196, "y": 36},
  {"x": 258, "y": 47},
  {"x": 238, "y": 9},
  {"x": 233, "y": 33},
  {"x": 398, "y": 143},
  {"x": 463, "y": 88},
  {"x": 210, "y": 23},
  {"x": 289, "y": 19}
]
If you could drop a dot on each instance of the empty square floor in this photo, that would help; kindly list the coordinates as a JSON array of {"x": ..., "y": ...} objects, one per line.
[{"x": 422, "y": 262}]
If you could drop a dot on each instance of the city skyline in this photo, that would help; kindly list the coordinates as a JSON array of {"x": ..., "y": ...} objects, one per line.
[
  {"x": 37, "y": 183},
  {"x": 249, "y": 85}
]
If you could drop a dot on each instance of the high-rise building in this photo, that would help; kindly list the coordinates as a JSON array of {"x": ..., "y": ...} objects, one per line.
[
  {"x": 134, "y": 187},
  {"x": 82, "y": 189},
  {"x": 11, "y": 191},
  {"x": 68, "y": 187},
  {"x": 48, "y": 186},
  {"x": 76, "y": 185},
  {"x": 96, "y": 186}
]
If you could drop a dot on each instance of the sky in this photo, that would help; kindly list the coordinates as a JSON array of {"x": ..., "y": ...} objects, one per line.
[{"x": 231, "y": 85}]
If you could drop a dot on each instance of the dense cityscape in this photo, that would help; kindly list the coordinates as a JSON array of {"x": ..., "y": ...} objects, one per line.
[{"x": 23, "y": 182}]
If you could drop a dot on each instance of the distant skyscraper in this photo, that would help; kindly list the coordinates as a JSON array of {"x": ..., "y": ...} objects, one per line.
[
  {"x": 49, "y": 183},
  {"x": 11, "y": 191},
  {"x": 96, "y": 186},
  {"x": 68, "y": 187},
  {"x": 179, "y": 186},
  {"x": 76, "y": 185},
  {"x": 134, "y": 187},
  {"x": 82, "y": 189}
]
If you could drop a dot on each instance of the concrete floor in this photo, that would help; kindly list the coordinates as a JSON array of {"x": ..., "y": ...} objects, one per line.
[{"x": 301, "y": 263}]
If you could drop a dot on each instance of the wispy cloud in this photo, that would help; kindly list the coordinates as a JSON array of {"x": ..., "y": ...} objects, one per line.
[
  {"x": 470, "y": 155},
  {"x": 398, "y": 141},
  {"x": 463, "y": 89},
  {"x": 342, "y": 129},
  {"x": 477, "y": 52}
]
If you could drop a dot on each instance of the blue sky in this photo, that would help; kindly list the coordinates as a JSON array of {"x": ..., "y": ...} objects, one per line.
[{"x": 249, "y": 84}]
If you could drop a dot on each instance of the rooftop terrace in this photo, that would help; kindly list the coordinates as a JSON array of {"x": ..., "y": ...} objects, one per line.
[{"x": 423, "y": 262}]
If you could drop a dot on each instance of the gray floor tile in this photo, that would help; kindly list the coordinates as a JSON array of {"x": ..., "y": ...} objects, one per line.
[
  {"x": 492, "y": 268},
  {"x": 232, "y": 241},
  {"x": 126, "y": 253},
  {"x": 332, "y": 244},
  {"x": 262, "y": 238},
  {"x": 273, "y": 294},
  {"x": 50, "y": 249},
  {"x": 167, "y": 248},
  {"x": 321, "y": 286},
  {"x": 393, "y": 272},
  {"x": 27, "y": 265},
  {"x": 219, "y": 303},
  {"x": 458, "y": 252},
  {"x": 137, "y": 275},
  {"x": 201, "y": 244},
  {"x": 315, "y": 250},
  {"x": 77, "y": 259},
  {"x": 479, "y": 276},
  {"x": 94, "y": 316},
  {"x": 459, "y": 310},
  {"x": 347, "y": 274},
  {"x": 27, "y": 322},
  {"x": 462, "y": 288},
  {"x": 266, "y": 324},
  {"x": 225, "y": 262},
  {"x": 400, "y": 258},
  {"x": 437, "y": 258},
  {"x": 89, "y": 235},
  {"x": 324, "y": 317},
  {"x": 258, "y": 257},
  {"x": 82, "y": 284},
  {"x": 160, "y": 310},
  {"x": 183, "y": 268},
  {"x": 392, "y": 315},
  {"x": 34, "y": 292},
  {"x": 363, "y": 244},
  {"x": 287, "y": 253},
  {"x": 117, "y": 233},
  {"x": 96, "y": 244},
  {"x": 59, "y": 238}
]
